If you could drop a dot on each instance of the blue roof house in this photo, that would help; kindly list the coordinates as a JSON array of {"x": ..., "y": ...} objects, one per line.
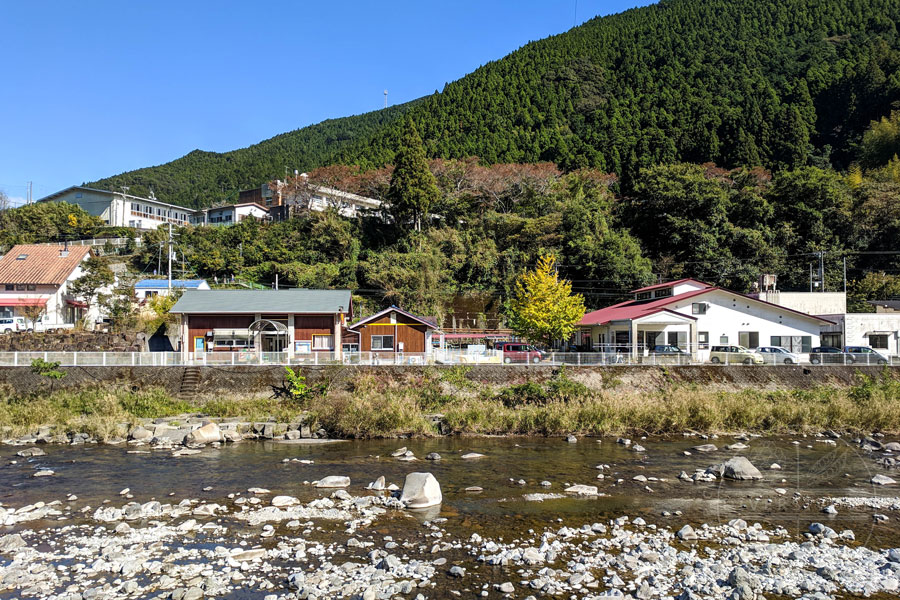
[{"x": 147, "y": 288}]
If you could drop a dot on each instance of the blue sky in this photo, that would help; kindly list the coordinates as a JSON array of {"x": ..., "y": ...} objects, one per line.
[{"x": 92, "y": 88}]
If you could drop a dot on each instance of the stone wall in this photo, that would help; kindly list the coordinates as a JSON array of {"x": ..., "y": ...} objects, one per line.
[
  {"x": 73, "y": 341},
  {"x": 256, "y": 380}
]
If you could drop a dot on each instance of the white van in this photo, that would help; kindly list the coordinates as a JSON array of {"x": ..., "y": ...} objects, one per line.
[{"x": 11, "y": 324}]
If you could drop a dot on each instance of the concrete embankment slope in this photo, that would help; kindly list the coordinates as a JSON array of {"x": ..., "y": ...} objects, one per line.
[{"x": 256, "y": 380}]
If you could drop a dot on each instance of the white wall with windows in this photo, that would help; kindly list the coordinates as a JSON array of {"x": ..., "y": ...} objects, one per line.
[
  {"x": 120, "y": 209},
  {"x": 880, "y": 331}
]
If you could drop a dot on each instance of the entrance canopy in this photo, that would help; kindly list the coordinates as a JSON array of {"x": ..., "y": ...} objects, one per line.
[{"x": 267, "y": 326}]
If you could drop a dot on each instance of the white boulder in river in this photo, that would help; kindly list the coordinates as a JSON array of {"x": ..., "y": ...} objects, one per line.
[
  {"x": 208, "y": 434},
  {"x": 741, "y": 468},
  {"x": 421, "y": 490},
  {"x": 333, "y": 481}
]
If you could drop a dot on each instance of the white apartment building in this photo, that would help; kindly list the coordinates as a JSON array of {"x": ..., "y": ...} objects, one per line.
[
  {"x": 120, "y": 209},
  {"x": 230, "y": 214}
]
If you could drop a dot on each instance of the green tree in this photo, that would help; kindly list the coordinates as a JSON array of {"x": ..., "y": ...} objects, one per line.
[
  {"x": 542, "y": 307},
  {"x": 413, "y": 188},
  {"x": 873, "y": 286},
  {"x": 97, "y": 275},
  {"x": 881, "y": 141}
]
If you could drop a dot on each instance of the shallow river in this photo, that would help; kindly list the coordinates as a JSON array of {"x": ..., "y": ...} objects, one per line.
[{"x": 504, "y": 509}]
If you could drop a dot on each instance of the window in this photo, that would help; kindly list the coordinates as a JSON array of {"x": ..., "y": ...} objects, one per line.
[
  {"x": 698, "y": 308},
  {"x": 797, "y": 343},
  {"x": 20, "y": 287},
  {"x": 703, "y": 339},
  {"x": 135, "y": 206},
  {"x": 832, "y": 339},
  {"x": 643, "y": 296},
  {"x": 663, "y": 293},
  {"x": 322, "y": 342},
  {"x": 382, "y": 342},
  {"x": 10, "y": 287},
  {"x": 677, "y": 338},
  {"x": 878, "y": 341},
  {"x": 748, "y": 339},
  {"x": 22, "y": 257},
  {"x": 31, "y": 287},
  {"x": 723, "y": 339},
  {"x": 78, "y": 194}
]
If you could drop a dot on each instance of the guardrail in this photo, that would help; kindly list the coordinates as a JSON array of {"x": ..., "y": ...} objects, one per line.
[{"x": 438, "y": 357}]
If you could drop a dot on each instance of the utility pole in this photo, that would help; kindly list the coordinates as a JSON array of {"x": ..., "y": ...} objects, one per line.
[
  {"x": 169, "y": 252},
  {"x": 810, "y": 278},
  {"x": 845, "y": 274},
  {"x": 28, "y": 195},
  {"x": 822, "y": 271}
]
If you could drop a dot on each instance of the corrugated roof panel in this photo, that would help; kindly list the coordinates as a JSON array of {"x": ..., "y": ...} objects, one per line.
[{"x": 262, "y": 301}]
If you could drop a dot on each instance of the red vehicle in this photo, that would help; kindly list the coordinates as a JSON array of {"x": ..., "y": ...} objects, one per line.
[{"x": 519, "y": 352}]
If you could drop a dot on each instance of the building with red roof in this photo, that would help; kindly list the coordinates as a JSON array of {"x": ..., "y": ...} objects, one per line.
[{"x": 695, "y": 316}]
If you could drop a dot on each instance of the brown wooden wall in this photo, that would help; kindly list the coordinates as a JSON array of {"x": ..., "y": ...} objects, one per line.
[
  {"x": 412, "y": 336},
  {"x": 307, "y": 325},
  {"x": 304, "y": 325}
]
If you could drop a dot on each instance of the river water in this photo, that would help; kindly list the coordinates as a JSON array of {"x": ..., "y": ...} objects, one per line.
[{"x": 510, "y": 475}]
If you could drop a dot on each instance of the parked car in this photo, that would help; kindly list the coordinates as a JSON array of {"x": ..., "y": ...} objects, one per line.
[
  {"x": 776, "y": 355},
  {"x": 733, "y": 355},
  {"x": 866, "y": 355},
  {"x": 822, "y": 355},
  {"x": 669, "y": 353},
  {"x": 519, "y": 352},
  {"x": 11, "y": 324}
]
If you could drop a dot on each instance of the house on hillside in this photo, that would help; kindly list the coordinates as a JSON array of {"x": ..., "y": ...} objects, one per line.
[
  {"x": 147, "y": 288},
  {"x": 394, "y": 330},
  {"x": 694, "y": 316},
  {"x": 230, "y": 214},
  {"x": 297, "y": 321},
  {"x": 38, "y": 275},
  {"x": 120, "y": 209}
]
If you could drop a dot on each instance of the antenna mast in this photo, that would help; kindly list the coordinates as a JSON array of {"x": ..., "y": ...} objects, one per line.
[{"x": 385, "y": 98}]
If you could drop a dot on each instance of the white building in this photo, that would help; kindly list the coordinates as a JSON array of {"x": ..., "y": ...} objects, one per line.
[
  {"x": 37, "y": 275},
  {"x": 147, "y": 288},
  {"x": 880, "y": 331},
  {"x": 694, "y": 316},
  {"x": 230, "y": 214},
  {"x": 119, "y": 209}
]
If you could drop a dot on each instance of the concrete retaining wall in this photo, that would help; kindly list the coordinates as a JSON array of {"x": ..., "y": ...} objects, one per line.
[{"x": 264, "y": 380}]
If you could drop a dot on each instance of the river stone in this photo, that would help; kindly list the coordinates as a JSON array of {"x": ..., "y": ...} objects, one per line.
[
  {"x": 433, "y": 456},
  {"x": 892, "y": 447},
  {"x": 10, "y": 542},
  {"x": 399, "y": 452},
  {"x": 705, "y": 448},
  {"x": 583, "y": 490},
  {"x": 140, "y": 434},
  {"x": 882, "y": 480},
  {"x": 472, "y": 455},
  {"x": 571, "y": 439},
  {"x": 43, "y": 473},
  {"x": 195, "y": 593},
  {"x": 232, "y": 435},
  {"x": 207, "y": 434},
  {"x": 457, "y": 571},
  {"x": 506, "y": 588},
  {"x": 378, "y": 484},
  {"x": 740, "y": 468},
  {"x": 421, "y": 490},
  {"x": 686, "y": 533},
  {"x": 280, "y": 501},
  {"x": 292, "y": 435},
  {"x": 27, "y": 452},
  {"x": 333, "y": 481}
]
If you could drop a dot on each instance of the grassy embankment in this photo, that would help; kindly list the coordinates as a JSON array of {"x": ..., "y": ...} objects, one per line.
[{"x": 370, "y": 406}]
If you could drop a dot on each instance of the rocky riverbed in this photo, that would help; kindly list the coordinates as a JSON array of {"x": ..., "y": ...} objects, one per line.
[{"x": 583, "y": 518}]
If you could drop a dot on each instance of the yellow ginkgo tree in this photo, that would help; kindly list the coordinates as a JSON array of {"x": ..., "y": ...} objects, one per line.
[{"x": 542, "y": 307}]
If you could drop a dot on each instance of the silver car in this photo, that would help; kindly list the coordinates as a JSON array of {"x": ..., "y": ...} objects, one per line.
[{"x": 776, "y": 355}]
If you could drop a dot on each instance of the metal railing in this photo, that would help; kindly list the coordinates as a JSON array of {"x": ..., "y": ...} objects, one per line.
[{"x": 437, "y": 357}]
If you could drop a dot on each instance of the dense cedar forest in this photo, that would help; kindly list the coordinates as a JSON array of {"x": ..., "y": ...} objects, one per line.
[
  {"x": 772, "y": 83},
  {"x": 717, "y": 139}
]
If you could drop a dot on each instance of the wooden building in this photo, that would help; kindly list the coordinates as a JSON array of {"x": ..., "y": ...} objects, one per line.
[
  {"x": 395, "y": 330},
  {"x": 297, "y": 321}
]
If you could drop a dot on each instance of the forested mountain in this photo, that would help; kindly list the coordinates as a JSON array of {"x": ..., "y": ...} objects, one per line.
[
  {"x": 201, "y": 178},
  {"x": 773, "y": 83}
]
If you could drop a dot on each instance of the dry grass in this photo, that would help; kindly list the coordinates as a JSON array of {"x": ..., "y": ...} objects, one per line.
[{"x": 371, "y": 406}]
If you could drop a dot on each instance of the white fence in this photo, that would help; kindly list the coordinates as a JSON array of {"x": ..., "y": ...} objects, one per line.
[{"x": 447, "y": 357}]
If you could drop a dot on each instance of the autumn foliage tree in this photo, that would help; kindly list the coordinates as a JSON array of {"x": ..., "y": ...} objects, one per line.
[{"x": 542, "y": 307}]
